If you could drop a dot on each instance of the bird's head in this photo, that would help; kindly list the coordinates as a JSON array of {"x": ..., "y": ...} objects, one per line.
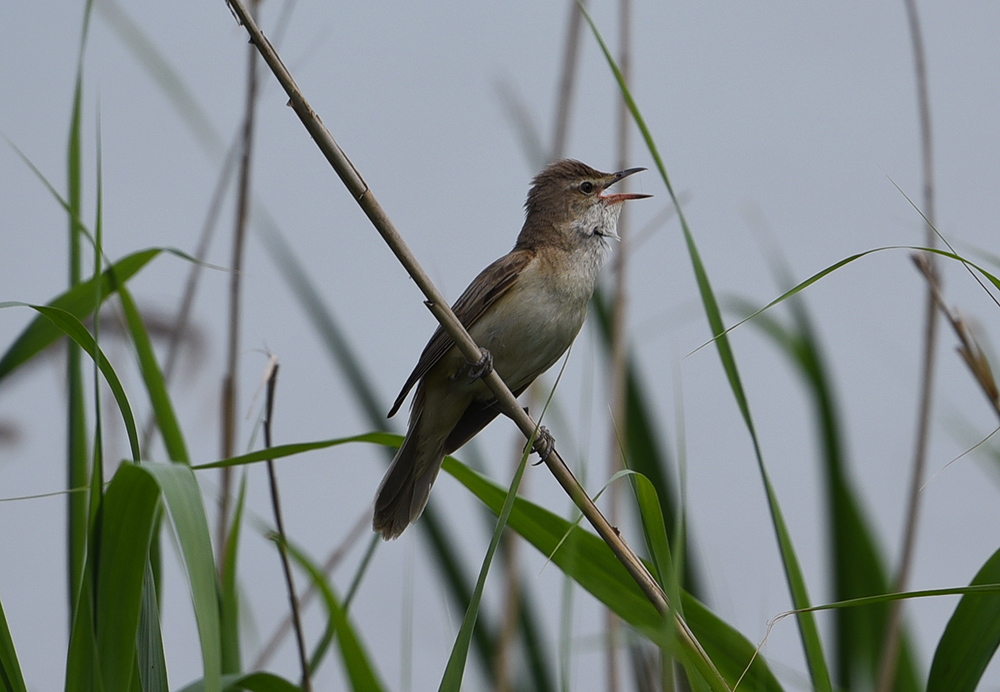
[{"x": 568, "y": 199}]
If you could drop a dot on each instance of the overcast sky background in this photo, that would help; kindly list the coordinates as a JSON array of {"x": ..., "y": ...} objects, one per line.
[{"x": 783, "y": 124}]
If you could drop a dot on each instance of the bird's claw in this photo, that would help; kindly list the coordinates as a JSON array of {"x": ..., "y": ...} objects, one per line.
[
  {"x": 482, "y": 367},
  {"x": 544, "y": 444}
]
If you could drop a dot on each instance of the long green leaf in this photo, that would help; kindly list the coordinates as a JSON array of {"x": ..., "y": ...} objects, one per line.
[
  {"x": 82, "y": 667},
  {"x": 970, "y": 638},
  {"x": 654, "y": 531},
  {"x": 76, "y": 426},
  {"x": 10, "y": 669},
  {"x": 452, "y": 679},
  {"x": 229, "y": 601},
  {"x": 151, "y": 663},
  {"x": 356, "y": 660},
  {"x": 858, "y": 567},
  {"x": 815, "y": 659},
  {"x": 77, "y": 301},
  {"x": 798, "y": 288},
  {"x": 589, "y": 561},
  {"x": 152, "y": 376},
  {"x": 187, "y": 514},
  {"x": 281, "y": 451},
  {"x": 71, "y": 326},
  {"x": 129, "y": 512},
  {"x": 251, "y": 682}
]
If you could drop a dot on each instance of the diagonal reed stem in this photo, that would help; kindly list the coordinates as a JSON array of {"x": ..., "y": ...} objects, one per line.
[{"x": 508, "y": 404}]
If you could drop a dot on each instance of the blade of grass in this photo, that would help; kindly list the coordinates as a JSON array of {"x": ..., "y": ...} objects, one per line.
[
  {"x": 129, "y": 513},
  {"x": 77, "y": 301},
  {"x": 187, "y": 515},
  {"x": 76, "y": 434},
  {"x": 229, "y": 601},
  {"x": 10, "y": 669},
  {"x": 968, "y": 264},
  {"x": 452, "y": 679},
  {"x": 280, "y": 451},
  {"x": 250, "y": 682},
  {"x": 651, "y": 515},
  {"x": 152, "y": 376},
  {"x": 151, "y": 663},
  {"x": 589, "y": 561},
  {"x": 970, "y": 638},
  {"x": 357, "y": 662},
  {"x": 819, "y": 674},
  {"x": 74, "y": 329},
  {"x": 858, "y": 567}
]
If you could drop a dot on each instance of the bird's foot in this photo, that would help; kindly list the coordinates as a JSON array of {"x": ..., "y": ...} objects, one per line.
[
  {"x": 481, "y": 368},
  {"x": 544, "y": 444}
]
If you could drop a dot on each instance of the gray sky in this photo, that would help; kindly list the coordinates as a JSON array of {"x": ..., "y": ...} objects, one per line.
[{"x": 784, "y": 124}]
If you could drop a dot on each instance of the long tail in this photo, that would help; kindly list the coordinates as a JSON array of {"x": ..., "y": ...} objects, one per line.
[{"x": 403, "y": 493}]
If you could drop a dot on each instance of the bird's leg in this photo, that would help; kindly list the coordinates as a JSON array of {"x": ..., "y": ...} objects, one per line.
[
  {"x": 544, "y": 443},
  {"x": 482, "y": 367}
]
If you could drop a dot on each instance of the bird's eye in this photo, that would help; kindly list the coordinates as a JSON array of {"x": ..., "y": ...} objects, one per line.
[{"x": 586, "y": 187}]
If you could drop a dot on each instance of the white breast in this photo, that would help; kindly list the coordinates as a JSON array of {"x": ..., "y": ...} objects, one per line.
[{"x": 532, "y": 326}]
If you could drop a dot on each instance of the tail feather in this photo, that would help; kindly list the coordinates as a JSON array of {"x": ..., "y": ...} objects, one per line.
[{"x": 403, "y": 494}]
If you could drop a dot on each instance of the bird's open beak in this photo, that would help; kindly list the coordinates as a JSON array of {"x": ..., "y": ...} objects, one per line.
[{"x": 620, "y": 197}]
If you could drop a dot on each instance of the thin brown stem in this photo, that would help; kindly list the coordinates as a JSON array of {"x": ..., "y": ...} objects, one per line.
[
  {"x": 281, "y": 631},
  {"x": 968, "y": 348},
  {"x": 506, "y": 401},
  {"x": 891, "y": 642},
  {"x": 230, "y": 380},
  {"x": 279, "y": 523}
]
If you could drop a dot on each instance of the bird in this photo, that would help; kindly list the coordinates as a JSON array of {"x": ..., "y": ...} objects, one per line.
[{"x": 523, "y": 311}]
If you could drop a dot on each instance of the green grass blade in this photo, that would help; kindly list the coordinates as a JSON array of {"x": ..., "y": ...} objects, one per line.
[
  {"x": 10, "y": 669},
  {"x": 452, "y": 680},
  {"x": 357, "y": 662},
  {"x": 77, "y": 301},
  {"x": 655, "y": 533},
  {"x": 187, "y": 514},
  {"x": 76, "y": 426},
  {"x": 970, "y": 638},
  {"x": 815, "y": 659},
  {"x": 250, "y": 682},
  {"x": 729, "y": 650},
  {"x": 229, "y": 597},
  {"x": 152, "y": 376},
  {"x": 589, "y": 561},
  {"x": 858, "y": 567},
  {"x": 129, "y": 512},
  {"x": 82, "y": 663},
  {"x": 74, "y": 329},
  {"x": 280, "y": 451},
  {"x": 151, "y": 663}
]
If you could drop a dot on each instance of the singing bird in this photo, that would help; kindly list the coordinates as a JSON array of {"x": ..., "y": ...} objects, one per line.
[{"x": 524, "y": 311}]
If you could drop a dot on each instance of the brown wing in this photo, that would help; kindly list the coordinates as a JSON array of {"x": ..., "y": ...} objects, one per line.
[{"x": 484, "y": 290}]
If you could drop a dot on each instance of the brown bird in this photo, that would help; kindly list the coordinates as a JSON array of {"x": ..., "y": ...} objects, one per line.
[{"x": 524, "y": 311}]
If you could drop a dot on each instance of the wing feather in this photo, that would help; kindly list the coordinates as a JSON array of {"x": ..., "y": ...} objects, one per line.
[{"x": 484, "y": 291}]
